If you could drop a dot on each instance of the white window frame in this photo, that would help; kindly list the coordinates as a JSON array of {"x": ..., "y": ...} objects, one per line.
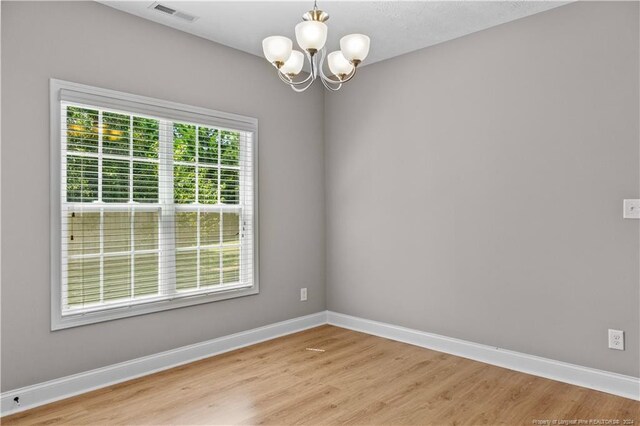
[{"x": 111, "y": 99}]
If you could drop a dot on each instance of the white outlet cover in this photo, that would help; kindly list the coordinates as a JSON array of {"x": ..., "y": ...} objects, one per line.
[
  {"x": 631, "y": 209},
  {"x": 616, "y": 339}
]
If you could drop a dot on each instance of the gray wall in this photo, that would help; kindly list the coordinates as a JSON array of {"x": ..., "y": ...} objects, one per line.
[
  {"x": 474, "y": 188},
  {"x": 93, "y": 44}
]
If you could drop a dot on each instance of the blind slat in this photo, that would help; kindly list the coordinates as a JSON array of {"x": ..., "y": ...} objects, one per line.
[{"x": 160, "y": 109}]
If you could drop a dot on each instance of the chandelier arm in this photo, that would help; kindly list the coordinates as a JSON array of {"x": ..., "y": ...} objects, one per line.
[
  {"x": 285, "y": 78},
  {"x": 320, "y": 70},
  {"x": 328, "y": 86},
  {"x": 322, "y": 74},
  {"x": 331, "y": 80},
  {"x": 313, "y": 62},
  {"x": 302, "y": 89}
]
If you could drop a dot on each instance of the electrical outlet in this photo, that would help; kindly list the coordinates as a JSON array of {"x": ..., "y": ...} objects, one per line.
[
  {"x": 616, "y": 339},
  {"x": 303, "y": 294}
]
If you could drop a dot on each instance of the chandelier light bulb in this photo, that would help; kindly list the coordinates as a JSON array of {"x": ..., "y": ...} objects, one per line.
[
  {"x": 311, "y": 35},
  {"x": 277, "y": 49},
  {"x": 339, "y": 65},
  {"x": 355, "y": 47},
  {"x": 294, "y": 64}
]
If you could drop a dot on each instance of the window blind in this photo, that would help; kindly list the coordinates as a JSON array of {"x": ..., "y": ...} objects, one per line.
[{"x": 153, "y": 207}]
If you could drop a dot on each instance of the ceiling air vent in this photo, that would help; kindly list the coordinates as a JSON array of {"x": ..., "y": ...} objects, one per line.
[{"x": 173, "y": 12}]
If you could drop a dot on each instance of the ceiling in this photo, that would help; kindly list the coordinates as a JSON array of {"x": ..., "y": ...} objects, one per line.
[{"x": 395, "y": 27}]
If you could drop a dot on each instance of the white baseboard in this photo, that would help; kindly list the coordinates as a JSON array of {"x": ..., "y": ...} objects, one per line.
[
  {"x": 65, "y": 387},
  {"x": 617, "y": 384}
]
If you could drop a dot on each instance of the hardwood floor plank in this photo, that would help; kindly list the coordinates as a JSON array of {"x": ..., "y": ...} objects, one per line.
[{"x": 354, "y": 378}]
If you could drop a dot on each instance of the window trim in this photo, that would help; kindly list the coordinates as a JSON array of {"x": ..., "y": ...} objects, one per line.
[{"x": 150, "y": 106}]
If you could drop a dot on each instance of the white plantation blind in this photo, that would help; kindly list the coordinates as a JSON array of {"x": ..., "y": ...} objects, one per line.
[{"x": 156, "y": 206}]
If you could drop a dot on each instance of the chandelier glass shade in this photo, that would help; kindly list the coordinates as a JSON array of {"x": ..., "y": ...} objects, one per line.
[{"x": 311, "y": 36}]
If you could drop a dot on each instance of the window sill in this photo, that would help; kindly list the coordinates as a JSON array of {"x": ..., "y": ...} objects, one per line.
[{"x": 69, "y": 321}]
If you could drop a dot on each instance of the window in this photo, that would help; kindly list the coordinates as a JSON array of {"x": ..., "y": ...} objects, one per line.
[{"x": 153, "y": 205}]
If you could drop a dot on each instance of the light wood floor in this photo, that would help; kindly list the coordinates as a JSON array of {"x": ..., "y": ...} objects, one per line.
[{"x": 359, "y": 379}]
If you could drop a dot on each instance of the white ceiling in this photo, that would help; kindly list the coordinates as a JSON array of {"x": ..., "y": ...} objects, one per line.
[{"x": 395, "y": 27}]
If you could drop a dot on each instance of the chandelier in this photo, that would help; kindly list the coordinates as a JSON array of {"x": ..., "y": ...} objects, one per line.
[{"x": 311, "y": 35}]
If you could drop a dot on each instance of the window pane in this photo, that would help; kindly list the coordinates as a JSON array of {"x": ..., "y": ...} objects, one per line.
[
  {"x": 209, "y": 267},
  {"x": 115, "y": 133},
  {"x": 145, "y": 230},
  {"x": 229, "y": 186},
  {"x": 230, "y": 148},
  {"x": 82, "y": 179},
  {"x": 83, "y": 233},
  {"x": 83, "y": 281},
  {"x": 209, "y": 228},
  {"x": 145, "y": 137},
  {"x": 184, "y": 142},
  {"x": 82, "y": 129},
  {"x": 184, "y": 184},
  {"x": 115, "y": 181},
  {"x": 186, "y": 229},
  {"x": 186, "y": 270},
  {"x": 111, "y": 248},
  {"x": 230, "y": 228},
  {"x": 230, "y": 264},
  {"x": 117, "y": 231},
  {"x": 145, "y": 274},
  {"x": 145, "y": 182},
  {"x": 117, "y": 277},
  {"x": 207, "y": 145},
  {"x": 207, "y": 185}
]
